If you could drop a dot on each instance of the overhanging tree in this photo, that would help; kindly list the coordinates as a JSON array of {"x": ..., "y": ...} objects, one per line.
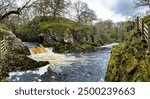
[
  {"x": 9, "y": 7},
  {"x": 143, "y": 3}
]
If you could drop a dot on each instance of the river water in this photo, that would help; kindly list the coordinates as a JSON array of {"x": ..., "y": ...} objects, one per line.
[{"x": 68, "y": 67}]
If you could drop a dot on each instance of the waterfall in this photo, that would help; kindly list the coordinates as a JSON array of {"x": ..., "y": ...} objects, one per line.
[
  {"x": 39, "y": 53},
  {"x": 37, "y": 50}
]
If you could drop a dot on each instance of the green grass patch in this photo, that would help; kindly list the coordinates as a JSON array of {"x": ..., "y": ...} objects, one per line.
[
  {"x": 146, "y": 20},
  {"x": 86, "y": 46}
]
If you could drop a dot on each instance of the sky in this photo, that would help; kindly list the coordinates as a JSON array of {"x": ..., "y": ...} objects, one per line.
[{"x": 116, "y": 10}]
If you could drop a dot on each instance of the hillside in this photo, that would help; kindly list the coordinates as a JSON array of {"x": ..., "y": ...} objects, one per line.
[{"x": 129, "y": 62}]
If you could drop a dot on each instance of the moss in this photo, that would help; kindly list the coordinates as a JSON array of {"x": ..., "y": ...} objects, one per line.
[
  {"x": 128, "y": 61},
  {"x": 4, "y": 32},
  {"x": 24, "y": 29},
  {"x": 59, "y": 32},
  {"x": 41, "y": 23},
  {"x": 22, "y": 62},
  {"x": 47, "y": 25},
  {"x": 86, "y": 46},
  {"x": 60, "y": 48},
  {"x": 52, "y": 19},
  {"x": 132, "y": 65},
  {"x": 19, "y": 63},
  {"x": 146, "y": 20}
]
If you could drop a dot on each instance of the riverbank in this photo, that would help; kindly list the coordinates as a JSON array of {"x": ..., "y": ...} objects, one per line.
[{"x": 128, "y": 62}]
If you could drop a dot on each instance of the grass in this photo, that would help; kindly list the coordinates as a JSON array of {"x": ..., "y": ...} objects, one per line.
[
  {"x": 86, "y": 46},
  {"x": 146, "y": 20}
]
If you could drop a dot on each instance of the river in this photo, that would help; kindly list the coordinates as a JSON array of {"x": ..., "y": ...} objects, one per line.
[{"x": 68, "y": 67}]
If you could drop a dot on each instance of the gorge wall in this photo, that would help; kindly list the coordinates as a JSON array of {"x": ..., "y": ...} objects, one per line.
[{"x": 129, "y": 62}]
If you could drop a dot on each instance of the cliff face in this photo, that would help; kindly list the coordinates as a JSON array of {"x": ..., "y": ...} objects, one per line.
[{"x": 128, "y": 62}]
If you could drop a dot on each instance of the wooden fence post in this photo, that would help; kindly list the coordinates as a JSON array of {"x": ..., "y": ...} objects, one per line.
[
  {"x": 142, "y": 27},
  {"x": 148, "y": 51},
  {"x": 137, "y": 23},
  {"x": 148, "y": 43},
  {"x": 149, "y": 40},
  {"x": 0, "y": 51}
]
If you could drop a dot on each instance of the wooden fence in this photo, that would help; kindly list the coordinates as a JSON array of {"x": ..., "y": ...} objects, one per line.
[
  {"x": 3, "y": 49},
  {"x": 145, "y": 30}
]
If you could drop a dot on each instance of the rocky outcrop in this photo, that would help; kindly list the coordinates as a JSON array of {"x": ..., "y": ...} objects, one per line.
[
  {"x": 53, "y": 76},
  {"x": 128, "y": 62},
  {"x": 15, "y": 45},
  {"x": 16, "y": 56},
  {"x": 59, "y": 31}
]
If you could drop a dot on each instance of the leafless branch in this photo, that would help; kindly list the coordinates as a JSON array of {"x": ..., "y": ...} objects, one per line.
[{"x": 18, "y": 11}]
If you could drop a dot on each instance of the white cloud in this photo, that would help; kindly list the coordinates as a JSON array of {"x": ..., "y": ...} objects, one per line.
[
  {"x": 102, "y": 9},
  {"x": 115, "y": 10}
]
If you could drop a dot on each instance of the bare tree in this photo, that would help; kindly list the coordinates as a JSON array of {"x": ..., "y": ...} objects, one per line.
[
  {"x": 83, "y": 13},
  {"x": 52, "y": 7},
  {"x": 42, "y": 7},
  {"x": 143, "y": 3},
  {"x": 59, "y": 7},
  {"x": 9, "y": 7},
  {"x": 6, "y": 5}
]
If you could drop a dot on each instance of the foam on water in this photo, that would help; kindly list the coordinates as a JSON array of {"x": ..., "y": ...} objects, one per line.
[
  {"x": 54, "y": 58},
  {"x": 39, "y": 71},
  {"x": 109, "y": 45}
]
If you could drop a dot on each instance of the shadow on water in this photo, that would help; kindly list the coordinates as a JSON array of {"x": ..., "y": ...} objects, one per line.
[{"x": 71, "y": 67}]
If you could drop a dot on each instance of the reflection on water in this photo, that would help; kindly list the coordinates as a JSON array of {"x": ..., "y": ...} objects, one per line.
[{"x": 83, "y": 67}]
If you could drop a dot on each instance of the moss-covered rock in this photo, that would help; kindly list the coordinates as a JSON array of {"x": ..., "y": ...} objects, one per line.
[
  {"x": 58, "y": 32},
  {"x": 128, "y": 62},
  {"x": 16, "y": 56},
  {"x": 19, "y": 63},
  {"x": 13, "y": 44},
  {"x": 74, "y": 48}
]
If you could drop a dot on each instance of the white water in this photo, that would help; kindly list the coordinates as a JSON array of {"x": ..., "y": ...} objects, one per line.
[
  {"x": 78, "y": 67},
  {"x": 109, "y": 45},
  {"x": 55, "y": 58}
]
